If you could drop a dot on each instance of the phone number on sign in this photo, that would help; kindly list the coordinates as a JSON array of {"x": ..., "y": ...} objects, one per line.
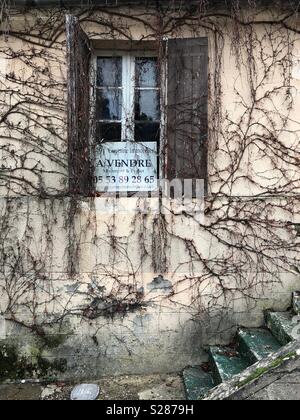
[{"x": 125, "y": 179}]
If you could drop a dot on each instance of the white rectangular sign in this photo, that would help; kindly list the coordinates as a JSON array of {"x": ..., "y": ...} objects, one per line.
[{"x": 126, "y": 167}]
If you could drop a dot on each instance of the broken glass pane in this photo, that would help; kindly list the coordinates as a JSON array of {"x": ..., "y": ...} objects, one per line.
[
  {"x": 147, "y": 132},
  {"x": 146, "y": 72},
  {"x": 147, "y": 106},
  {"x": 109, "y": 104},
  {"x": 108, "y": 132},
  {"x": 109, "y": 71}
]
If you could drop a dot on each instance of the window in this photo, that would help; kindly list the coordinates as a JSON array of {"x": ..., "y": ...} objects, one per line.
[
  {"x": 147, "y": 100},
  {"x": 128, "y": 134},
  {"x": 109, "y": 96},
  {"x": 128, "y": 122},
  {"x": 127, "y": 98}
]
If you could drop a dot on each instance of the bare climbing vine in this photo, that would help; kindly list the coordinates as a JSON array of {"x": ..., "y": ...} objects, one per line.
[{"x": 50, "y": 237}]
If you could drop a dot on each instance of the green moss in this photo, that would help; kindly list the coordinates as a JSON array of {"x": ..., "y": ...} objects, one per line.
[
  {"x": 14, "y": 367},
  {"x": 34, "y": 353},
  {"x": 261, "y": 371},
  {"x": 33, "y": 361},
  {"x": 54, "y": 340},
  {"x": 255, "y": 375},
  {"x": 11, "y": 366},
  {"x": 46, "y": 368}
]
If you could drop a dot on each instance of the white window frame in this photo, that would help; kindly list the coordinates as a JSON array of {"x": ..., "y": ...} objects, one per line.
[
  {"x": 128, "y": 101},
  {"x": 128, "y": 86}
]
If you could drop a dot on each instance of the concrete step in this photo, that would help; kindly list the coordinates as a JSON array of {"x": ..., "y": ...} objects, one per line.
[
  {"x": 256, "y": 344},
  {"x": 273, "y": 378},
  {"x": 197, "y": 383},
  {"x": 226, "y": 363},
  {"x": 282, "y": 325}
]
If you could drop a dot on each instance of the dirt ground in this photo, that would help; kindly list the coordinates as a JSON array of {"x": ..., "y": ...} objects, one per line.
[{"x": 153, "y": 387}]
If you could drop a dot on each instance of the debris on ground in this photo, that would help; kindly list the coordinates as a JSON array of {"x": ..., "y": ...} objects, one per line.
[{"x": 150, "y": 387}]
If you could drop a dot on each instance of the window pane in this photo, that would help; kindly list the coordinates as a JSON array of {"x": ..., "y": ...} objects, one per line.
[
  {"x": 147, "y": 132},
  {"x": 109, "y": 71},
  {"x": 108, "y": 132},
  {"x": 109, "y": 104},
  {"x": 146, "y": 72},
  {"x": 147, "y": 106}
]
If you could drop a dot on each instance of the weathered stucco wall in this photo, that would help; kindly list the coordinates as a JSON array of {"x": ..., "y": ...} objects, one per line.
[{"x": 97, "y": 286}]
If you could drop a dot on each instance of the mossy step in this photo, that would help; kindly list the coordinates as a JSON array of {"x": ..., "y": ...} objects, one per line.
[
  {"x": 226, "y": 363},
  {"x": 282, "y": 325},
  {"x": 197, "y": 383},
  {"x": 296, "y": 302},
  {"x": 256, "y": 344}
]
